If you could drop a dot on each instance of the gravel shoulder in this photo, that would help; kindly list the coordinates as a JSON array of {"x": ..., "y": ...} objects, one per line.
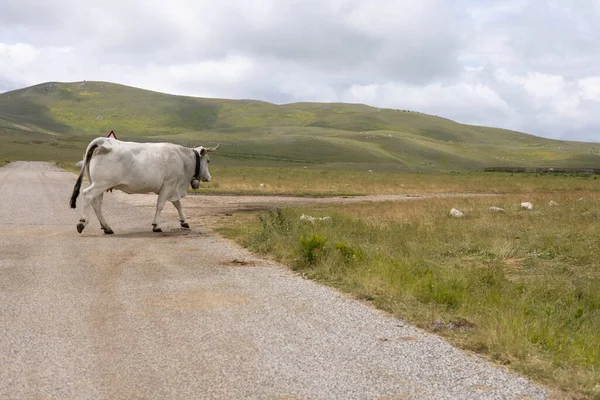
[{"x": 173, "y": 316}]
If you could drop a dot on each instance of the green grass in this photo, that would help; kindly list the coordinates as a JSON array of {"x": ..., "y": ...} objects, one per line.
[
  {"x": 255, "y": 133},
  {"x": 18, "y": 145},
  {"x": 521, "y": 287},
  {"x": 300, "y": 181}
]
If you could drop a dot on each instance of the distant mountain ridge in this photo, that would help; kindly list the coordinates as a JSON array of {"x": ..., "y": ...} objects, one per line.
[{"x": 322, "y": 135}]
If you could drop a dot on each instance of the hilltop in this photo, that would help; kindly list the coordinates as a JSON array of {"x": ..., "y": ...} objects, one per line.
[{"x": 56, "y": 120}]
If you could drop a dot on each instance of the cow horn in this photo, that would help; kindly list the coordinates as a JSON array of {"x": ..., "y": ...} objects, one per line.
[{"x": 212, "y": 148}]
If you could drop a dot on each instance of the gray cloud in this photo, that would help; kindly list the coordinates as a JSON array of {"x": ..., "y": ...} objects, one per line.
[{"x": 519, "y": 64}]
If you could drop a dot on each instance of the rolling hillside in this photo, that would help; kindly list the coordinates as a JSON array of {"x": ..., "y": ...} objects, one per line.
[{"x": 55, "y": 121}]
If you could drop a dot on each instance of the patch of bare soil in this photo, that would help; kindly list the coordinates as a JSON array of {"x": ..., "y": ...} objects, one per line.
[{"x": 208, "y": 210}]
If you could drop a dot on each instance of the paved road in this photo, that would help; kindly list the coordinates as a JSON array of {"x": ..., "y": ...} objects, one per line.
[{"x": 169, "y": 316}]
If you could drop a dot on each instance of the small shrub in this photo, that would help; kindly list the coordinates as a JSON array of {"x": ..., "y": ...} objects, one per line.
[
  {"x": 349, "y": 254},
  {"x": 311, "y": 249},
  {"x": 281, "y": 221}
]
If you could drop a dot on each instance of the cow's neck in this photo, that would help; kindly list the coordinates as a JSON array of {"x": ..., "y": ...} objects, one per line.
[{"x": 197, "y": 164}]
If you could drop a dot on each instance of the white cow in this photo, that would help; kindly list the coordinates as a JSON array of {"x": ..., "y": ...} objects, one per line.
[{"x": 163, "y": 168}]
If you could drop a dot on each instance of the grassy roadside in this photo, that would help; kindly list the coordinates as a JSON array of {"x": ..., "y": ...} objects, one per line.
[{"x": 521, "y": 287}]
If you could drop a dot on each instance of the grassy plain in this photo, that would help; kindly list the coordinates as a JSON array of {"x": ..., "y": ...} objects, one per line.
[
  {"x": 313, "y": 182},
  {"x": 299, "y": 181},
  {"x": 521, "y": 287}
]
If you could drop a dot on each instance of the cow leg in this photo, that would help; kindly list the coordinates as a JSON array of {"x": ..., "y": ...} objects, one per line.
[
  {"x": 182, "y": 218},
  {"x": 97, "y": 205},
  {"x": 85, "y": 217},
  {"x": 160, "y": 203},
  {"x": 92, "y": 198}
]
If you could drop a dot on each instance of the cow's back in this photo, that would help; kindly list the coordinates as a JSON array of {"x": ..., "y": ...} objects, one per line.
[{"x": 135, "y": 167}]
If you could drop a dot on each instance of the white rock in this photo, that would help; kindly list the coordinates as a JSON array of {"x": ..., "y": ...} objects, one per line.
[
  {"x": 496, "y": 209},
  {"x": 305, "y": 217},
  {"x": 552, "y": 203},
  {"x": 527, "y": 205},
  {"x": 309, "y": 218},
  {"x": 455, "y": 213},
  {"x": 262, "y": 185}
]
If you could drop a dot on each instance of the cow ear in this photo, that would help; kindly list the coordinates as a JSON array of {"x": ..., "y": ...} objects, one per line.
[{"x": 203, "y": 151}]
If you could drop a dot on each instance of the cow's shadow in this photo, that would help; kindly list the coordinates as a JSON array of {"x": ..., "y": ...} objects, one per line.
[{"x": 167, "y": 233}]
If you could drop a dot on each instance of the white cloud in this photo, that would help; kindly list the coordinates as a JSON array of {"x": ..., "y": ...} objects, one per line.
[
  {"x": 519, "y": 64},
  {"x": 17, "y": 55},
  {"x": 458, "y": 99},
  {"x": 230, "y": 70},
  {"x": 26, "y": 65},
  {"x": 590, "y": 88}
]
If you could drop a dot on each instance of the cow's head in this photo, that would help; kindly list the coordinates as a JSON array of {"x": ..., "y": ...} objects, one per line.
[{"x": 204, "y": 161}]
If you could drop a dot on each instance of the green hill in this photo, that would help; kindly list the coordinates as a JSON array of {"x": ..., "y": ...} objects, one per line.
[{"x": 56, "y": 120}]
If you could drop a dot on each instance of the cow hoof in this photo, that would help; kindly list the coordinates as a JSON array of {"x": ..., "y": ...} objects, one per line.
[
  {"x": 108, "y": 231},
  {"x": 155, "y": 229},
  {"x": 185, "y": 225},
  {"x": 80, "y": 227}
]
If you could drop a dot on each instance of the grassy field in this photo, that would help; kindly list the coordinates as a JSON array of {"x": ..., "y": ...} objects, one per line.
[
  {"x": 54, "y": 121},
  {"x": 521, "y": 287},
  {"x": 300, "y": 182}
]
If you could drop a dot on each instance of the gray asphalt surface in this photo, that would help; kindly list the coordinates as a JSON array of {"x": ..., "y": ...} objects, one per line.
[{"x": 172, "y": 316}]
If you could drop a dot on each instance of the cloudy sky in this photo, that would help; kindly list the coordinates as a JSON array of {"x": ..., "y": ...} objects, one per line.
[{"x": 528, "y": 65}]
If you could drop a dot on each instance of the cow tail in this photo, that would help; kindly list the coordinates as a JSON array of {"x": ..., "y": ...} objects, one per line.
[{"x": 86, "y": 163}]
